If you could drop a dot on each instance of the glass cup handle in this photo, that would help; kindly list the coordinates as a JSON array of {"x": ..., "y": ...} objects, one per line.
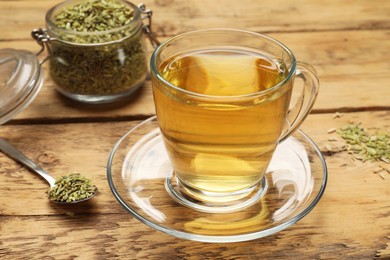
[{"x": 305, "y": 102}]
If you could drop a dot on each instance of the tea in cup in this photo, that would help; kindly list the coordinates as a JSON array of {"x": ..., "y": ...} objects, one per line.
[{"x": 222, "y": 99}]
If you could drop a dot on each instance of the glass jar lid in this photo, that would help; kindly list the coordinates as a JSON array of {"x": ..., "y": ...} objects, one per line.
[{"x": 20, "y": 81}]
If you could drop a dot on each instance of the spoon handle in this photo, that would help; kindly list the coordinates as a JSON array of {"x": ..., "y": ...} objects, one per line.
[{"x": 13, "y": 153}]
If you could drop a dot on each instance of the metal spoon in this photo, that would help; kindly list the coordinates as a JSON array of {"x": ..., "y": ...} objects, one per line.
[{"x": 13, "y": 153}]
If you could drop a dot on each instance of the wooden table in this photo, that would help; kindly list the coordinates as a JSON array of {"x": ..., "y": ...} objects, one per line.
[{"x": 348, "y": 42}]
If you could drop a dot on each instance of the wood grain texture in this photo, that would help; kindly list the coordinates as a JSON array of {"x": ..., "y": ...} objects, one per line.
[
  {"x": 346, "y": 41},
  {"x": 120, "y": 236},
  {"x": 345, "y": 62},
  {"x": 351, "y": 221},
  {"x": 174, "y": 16}
]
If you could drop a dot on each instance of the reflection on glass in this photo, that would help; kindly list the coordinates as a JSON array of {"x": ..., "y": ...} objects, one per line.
[
  {"x": 292, "y": 180},
  {"x": 139, "y": 164}
]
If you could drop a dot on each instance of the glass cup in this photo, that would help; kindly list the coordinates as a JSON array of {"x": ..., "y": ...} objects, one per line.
[{"x": 222, "y": 99}]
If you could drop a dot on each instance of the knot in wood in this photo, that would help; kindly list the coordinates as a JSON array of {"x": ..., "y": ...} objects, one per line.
[{"x": 47, "y": 159}]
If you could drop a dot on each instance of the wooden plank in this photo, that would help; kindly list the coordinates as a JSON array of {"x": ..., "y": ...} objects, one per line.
[
  {"x": 351, "y": 221},
  {"x": 90, "y": 143},
  {"x": 352, "y": 73},
  {"x": 170, "y": 17},
  {"x": 119, "y": 235},
  {"x": 60, "y": 149},
  {"x": 346, "y": 41}
]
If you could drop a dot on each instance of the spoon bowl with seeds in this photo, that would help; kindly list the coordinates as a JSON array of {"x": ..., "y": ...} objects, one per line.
[{"x": 70, "y": 189}]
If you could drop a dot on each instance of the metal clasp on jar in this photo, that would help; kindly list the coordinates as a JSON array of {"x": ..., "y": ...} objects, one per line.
[
  {"x": 42, "y": 38},
  {"x": 148, "y": 27}
]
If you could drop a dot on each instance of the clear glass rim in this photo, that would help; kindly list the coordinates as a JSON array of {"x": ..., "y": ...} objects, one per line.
[
  {"x": 213, "y": 238},
  {"x": 135, "y": 22},
  {"x": 27, "y": 90},
  {"x": 160, "y": 48}
]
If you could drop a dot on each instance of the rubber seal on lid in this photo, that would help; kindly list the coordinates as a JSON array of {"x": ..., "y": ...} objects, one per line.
[{"x": 20, "y": 81}]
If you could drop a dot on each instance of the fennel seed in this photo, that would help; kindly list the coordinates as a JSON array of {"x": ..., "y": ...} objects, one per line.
[
  {"x": 365, "y": 146},
  {"x": 71, "y": 188}
]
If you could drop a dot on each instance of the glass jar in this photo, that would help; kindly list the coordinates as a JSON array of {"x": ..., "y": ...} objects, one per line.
[
  {"x": 99, "y": 66},
  {"x": 21, "y": 76}
]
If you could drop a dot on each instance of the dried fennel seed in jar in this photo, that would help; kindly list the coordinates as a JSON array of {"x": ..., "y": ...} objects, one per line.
[
  {"x": 71, "y": 188},
  {"x": 100, "y": 49}
]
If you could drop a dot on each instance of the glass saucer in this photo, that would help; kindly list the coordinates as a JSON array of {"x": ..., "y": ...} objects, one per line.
[{"x": 138, "y": 167}]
